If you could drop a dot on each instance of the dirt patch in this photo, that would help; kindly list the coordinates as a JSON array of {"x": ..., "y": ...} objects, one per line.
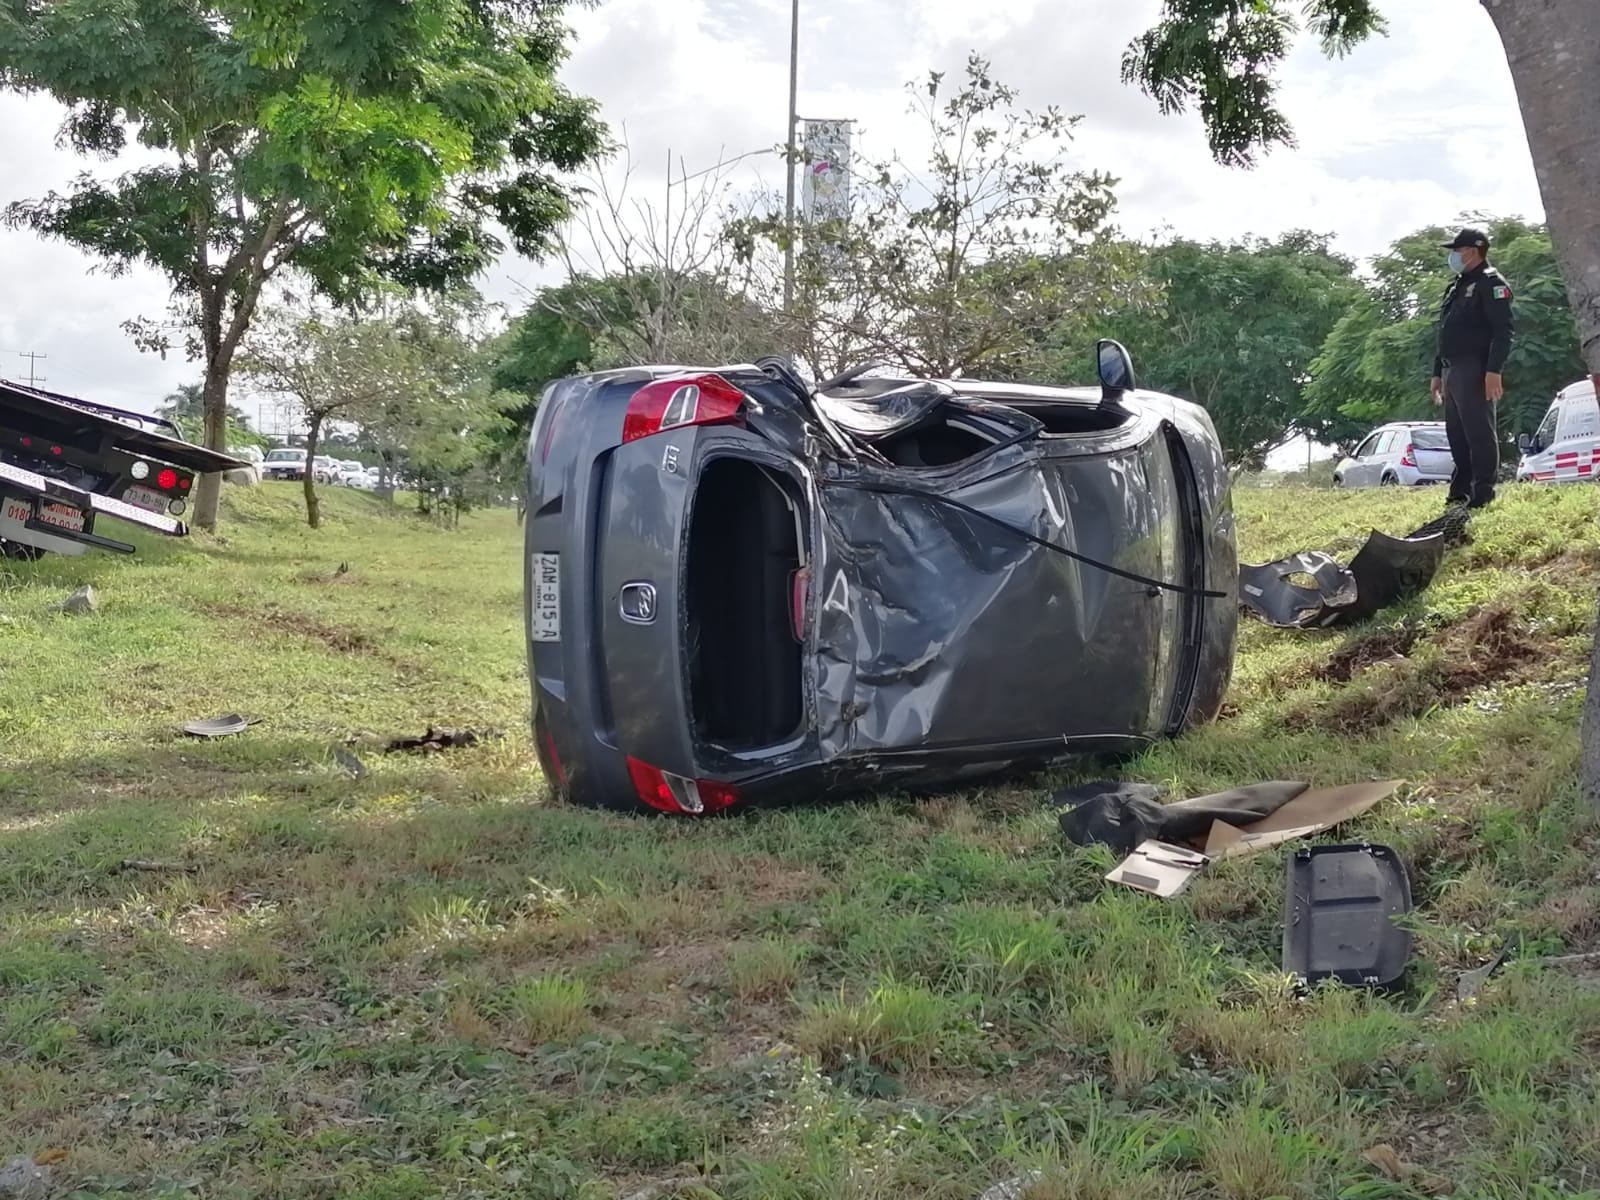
[
  {"x": 337, "y": 638},
  {"x": 1384, "y": 645},
  {"x": 1491, "y": 646}
]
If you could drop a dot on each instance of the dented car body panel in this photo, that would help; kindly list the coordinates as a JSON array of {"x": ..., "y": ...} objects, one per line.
[{"x": 891, "y": 584}]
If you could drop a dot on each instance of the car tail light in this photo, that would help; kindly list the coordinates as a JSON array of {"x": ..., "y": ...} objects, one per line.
[
  {"x": 1409, "y": 458},
  {"x": 555, "y": 759},
  {"x": 671, "y": 403},
  {"x": 167, "y": 479},
  {"x": 799, "y": 591},
  {"x": 676, "y": 793}
]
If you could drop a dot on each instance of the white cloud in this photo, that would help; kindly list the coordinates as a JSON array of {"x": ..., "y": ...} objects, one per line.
[{"x": 1409, "y": 130}]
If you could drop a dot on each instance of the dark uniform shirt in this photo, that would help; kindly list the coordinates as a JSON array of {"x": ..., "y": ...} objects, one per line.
[{"x": 1475, "y": 320}]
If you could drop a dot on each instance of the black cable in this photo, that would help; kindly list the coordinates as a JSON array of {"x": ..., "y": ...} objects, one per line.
[{"x": 891, "y": 490}]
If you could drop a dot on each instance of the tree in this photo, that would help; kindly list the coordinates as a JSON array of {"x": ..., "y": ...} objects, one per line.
[
  {"x": 1224, "y": 54},
  {"x": 332, "y": 365},
  {"x": 1236, "y": 329},
  {"x": 352, "y": 141},
  {"x": 185, "y": 408},
  {"x": 443, "y": 418},
  {"x": 955, "y": 264},
  {"x": 1369, "y": 368}
]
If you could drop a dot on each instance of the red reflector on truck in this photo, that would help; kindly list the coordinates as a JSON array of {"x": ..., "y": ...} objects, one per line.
[
  {"x": 677, "y": 794},
  {"x": 671, "y": 403}
]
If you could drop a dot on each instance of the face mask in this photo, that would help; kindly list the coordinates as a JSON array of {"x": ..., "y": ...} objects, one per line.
[{"x": 1456, "y": 264}]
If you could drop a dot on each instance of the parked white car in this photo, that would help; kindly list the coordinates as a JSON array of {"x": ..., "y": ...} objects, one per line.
[
  {"x": 1566, "y": 446},
  {"x": 284, "y": 462}
]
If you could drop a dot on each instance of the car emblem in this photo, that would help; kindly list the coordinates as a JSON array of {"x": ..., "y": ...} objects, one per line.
[{"x": 638, "y": 603}]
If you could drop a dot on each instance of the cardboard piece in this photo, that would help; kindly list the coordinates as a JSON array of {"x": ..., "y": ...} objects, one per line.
[
  {"x": 1159, "y": 868},
  {"x": 1307, "y": 814}
]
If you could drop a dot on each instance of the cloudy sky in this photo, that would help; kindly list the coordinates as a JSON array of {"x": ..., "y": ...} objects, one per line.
[{"x": 1414, "y": 129}]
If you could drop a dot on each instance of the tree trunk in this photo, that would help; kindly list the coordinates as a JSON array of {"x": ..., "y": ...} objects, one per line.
[
  {"x": 313, "y": 435},
  {"x": 1553, "y": 48},
  {"x": 214, "y": 410}
]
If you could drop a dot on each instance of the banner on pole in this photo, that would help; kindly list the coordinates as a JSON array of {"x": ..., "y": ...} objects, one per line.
[{"x": 826, "y": 194}]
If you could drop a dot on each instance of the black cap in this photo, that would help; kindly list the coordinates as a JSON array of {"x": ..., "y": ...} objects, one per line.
[{"x": 1473, "y": 239}]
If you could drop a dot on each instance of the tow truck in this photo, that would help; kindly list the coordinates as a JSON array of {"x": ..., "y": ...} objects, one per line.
[{"x": 66, "y": 463}]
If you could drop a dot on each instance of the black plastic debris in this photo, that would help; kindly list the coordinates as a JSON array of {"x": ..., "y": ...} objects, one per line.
[
  {"x": 1123, "y": 815},
  {"x": 215, "y": 727},
  {"x": 442, "y": 739},
  {"x": 1339, "y": 916},
  {"x": 1385, "y": 571}
]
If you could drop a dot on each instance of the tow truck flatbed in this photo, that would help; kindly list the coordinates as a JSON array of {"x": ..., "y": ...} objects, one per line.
[{"x": 65, "y": 462}]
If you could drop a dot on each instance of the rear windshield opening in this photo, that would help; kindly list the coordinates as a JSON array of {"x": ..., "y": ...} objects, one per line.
[
  {"x": 745, "y": 545},
  {"x": 1430, "y": 439},
  {"x": 942, "y": 444}
]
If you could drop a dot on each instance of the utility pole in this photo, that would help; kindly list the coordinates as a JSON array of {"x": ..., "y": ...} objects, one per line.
[
  {"x": 34, "y": 378},
  {"x": 790, "y": 157}
]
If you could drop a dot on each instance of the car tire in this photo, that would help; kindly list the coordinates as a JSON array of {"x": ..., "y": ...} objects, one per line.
[
  {"x": 17, "y": 552},
  {"x": 1338, "y": 481},
  {"x": 1389, "y": 481}
]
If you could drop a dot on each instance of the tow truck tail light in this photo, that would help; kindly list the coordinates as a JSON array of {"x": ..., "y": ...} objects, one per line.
[
  {"x": 676, "y": 793},
  {"x": 1409, "y": 458},
  {"x": 671, "y": 403}
]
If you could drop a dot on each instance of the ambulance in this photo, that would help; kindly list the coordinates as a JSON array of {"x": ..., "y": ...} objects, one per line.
[{"x": 1566, "y": 446}]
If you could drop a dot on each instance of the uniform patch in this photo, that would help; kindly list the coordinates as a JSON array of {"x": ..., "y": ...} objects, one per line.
[
  {"x": 1501, "y": 292},
  {"x": 1471, "y": 288}
]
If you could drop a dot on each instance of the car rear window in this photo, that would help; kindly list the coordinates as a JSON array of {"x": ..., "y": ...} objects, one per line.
[{"x": 1429, "y": 439}]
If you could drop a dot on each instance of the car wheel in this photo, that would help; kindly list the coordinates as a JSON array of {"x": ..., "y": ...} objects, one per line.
[
  {"x": 1338, "y": 481},
  {"x": 18, "y": 552},
  {"x": 1389, "y": 481}
]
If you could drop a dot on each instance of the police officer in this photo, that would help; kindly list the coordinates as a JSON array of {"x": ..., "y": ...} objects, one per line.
[{"x": 1474, "y": 340}]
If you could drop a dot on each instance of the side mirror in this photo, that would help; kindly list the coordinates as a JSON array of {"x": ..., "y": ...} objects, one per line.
[
  {"x": 1525, "y": 442},
  {"x": 1115, "y": 368}
]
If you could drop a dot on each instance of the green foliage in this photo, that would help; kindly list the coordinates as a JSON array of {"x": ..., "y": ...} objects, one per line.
[
  {"x": 1223, "y": 56},
  {"x": 958, "y": 263},
  {"x": 1376, "y": 362},
  {"x": 185, "y": 408},
  {"x": 351, "y": 142},
  {"x": 1236, "y": 329}
]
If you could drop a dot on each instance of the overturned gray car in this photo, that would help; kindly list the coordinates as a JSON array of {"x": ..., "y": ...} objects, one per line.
[{"x": 742, "y": 588}]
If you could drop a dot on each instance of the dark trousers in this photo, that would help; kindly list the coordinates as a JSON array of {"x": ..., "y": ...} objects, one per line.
[{"x": 1469, "y": 423}]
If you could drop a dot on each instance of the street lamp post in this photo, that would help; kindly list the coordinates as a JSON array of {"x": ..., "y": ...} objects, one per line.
[{"x": 789, "y": 158}]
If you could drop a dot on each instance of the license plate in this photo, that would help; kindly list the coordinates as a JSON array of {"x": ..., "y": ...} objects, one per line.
[
  {"x": 146, "y": 499},
  {"x": 18, "y": 510},
  {"x": 61, "y": 516},
  {"x": 546, "y": 597}
]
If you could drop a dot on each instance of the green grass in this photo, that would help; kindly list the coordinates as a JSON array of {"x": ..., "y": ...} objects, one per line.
[{"x": 430, "y": 981}]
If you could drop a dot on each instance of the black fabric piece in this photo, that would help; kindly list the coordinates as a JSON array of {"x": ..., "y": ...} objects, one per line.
[
  {"x": 1469, "y": 423},
  {"x": 1121, "y": 815}
]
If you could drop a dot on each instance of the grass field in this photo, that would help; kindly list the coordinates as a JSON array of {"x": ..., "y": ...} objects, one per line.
[{"x": 431, "y": 982}]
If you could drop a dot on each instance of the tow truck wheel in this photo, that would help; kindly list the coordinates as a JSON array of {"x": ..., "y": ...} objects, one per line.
[{"x": 17, "y": 552}]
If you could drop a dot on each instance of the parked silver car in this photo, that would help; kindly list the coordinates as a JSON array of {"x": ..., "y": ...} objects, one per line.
[{"x": 1401, "y": 453}]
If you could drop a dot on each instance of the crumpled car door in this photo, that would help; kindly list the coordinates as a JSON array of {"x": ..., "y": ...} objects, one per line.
[{"x": 939, "y": 629}]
